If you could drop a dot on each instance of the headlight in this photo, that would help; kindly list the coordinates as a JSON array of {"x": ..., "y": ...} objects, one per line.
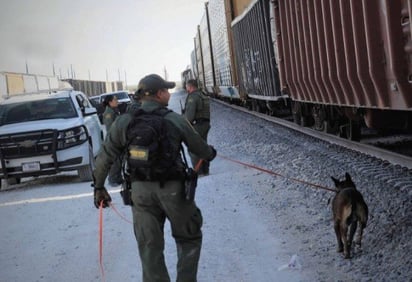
[{"x": 71, "y": 137}]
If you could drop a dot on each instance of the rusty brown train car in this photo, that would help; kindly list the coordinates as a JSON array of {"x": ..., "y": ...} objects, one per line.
[
  {"x": 336, "y": 66},
  {"x": 344, "y": 63}
]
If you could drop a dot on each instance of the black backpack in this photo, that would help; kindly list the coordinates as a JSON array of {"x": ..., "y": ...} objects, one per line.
[{"x": 150, "y": 156}]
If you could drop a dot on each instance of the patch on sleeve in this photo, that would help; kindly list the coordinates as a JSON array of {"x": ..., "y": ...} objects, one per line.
[{"x": 108, "y": 116}]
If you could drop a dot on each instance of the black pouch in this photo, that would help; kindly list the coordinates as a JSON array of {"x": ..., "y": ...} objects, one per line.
[
  {"x": 190, "y": 184},
  {"x": 126, "y": 193}
]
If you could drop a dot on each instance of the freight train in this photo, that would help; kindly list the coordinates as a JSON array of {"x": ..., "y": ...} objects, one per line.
[{"x": 336, "y": 66}]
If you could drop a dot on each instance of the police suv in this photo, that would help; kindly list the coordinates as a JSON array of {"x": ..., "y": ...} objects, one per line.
[{"x": 47, "y": 133}]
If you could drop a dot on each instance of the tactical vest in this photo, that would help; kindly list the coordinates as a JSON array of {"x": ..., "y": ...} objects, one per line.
[
  {"x": 204, "y": 112},
  {"x": 150, "y": 155}
]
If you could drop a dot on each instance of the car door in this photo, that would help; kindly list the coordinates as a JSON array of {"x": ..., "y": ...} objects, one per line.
[{"x": 91, "y": 121}]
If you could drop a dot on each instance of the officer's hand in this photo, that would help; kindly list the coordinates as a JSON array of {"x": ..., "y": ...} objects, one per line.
[
  {"x": 101, "y": 194},
  {"x": 213, "y": 154}
]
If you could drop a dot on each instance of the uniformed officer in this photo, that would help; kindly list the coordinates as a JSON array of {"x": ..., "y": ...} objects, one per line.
[
  {"x": 197, "y": 112},
  {"x": 153, "y": 202},
  {"x": 135, "y": 104},
  {"x": 110, "y": 114}
]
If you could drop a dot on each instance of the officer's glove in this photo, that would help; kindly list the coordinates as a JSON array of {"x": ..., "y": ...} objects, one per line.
[
  {"x": 101, "y": 194},
  {"x": 213, "y": 154}
]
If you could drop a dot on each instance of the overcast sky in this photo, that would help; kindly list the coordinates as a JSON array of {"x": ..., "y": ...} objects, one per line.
[{"x": 127, "y": 37}]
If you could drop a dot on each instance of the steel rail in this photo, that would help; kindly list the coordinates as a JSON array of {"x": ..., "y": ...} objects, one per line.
[{"x": 391, "y": 157}]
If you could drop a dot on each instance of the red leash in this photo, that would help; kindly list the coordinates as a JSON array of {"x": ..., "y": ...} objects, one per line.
[
  {"x": 101, "y": 234},
  {"x": 119, "y": 214},
  {"x": 278, "y": 174},
  {"x": 101, "y": 240},
  {"x": 198, "y": 165}
]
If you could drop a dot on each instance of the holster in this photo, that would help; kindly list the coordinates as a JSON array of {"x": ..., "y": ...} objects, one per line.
[
  {"x": 190, "y": 184},
  {"x": 126, "y": 192}
]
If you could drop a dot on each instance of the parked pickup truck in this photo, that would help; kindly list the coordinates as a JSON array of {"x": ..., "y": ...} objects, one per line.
[{"x": 47, "y": 133}]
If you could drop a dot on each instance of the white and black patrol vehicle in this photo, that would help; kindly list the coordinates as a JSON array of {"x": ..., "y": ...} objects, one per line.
[{"x": 47, "y": 133}]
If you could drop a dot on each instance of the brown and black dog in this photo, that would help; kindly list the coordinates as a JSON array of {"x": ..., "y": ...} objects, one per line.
[{"x": 349, "y": 210}]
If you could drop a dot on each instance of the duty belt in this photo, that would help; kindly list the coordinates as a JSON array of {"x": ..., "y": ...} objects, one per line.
[{"x": 200, "y": 120}]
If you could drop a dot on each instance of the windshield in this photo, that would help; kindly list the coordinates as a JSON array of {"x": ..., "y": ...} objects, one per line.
[
  {"x": 119, "y": 95},
  {"x": 37, "y": 110}
]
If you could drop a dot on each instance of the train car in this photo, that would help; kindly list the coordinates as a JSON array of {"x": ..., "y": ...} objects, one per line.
[
  {"x": 337, "y": 66},
  {"x": 199, "y": 59},
  {"x": 193, "y": 64},
  {"x": 185, "y": 76},
  {"x": 346, "y": 63},
  {"x": 241, "y": 46},
  {"x": 208, "y": 79},
  {"x": 255, "y": 59},
  {"x": 225, "y": 79}
]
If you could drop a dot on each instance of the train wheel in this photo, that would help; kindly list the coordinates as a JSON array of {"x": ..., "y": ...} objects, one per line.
[
  {"x": 330, "y": 126},
  {"x": 296, "y": 118},
  {"x": 351, "y": 131},
  {"x": 256, "y": 106},
  {"x": 319, "y": 118},
  {"x": 296, "y": 113},
  {"x": 253, "y": 105}
]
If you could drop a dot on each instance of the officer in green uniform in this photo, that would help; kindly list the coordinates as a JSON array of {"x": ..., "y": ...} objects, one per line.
[
  {"x": 109, "y": 116},
  {"x": 197, "y": 112},
  {"x": 153, "y": 202},
  {"x": 136, "y": 103}
]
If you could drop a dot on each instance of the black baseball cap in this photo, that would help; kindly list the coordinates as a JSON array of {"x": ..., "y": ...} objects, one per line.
[{"x": 149, "y": 84}]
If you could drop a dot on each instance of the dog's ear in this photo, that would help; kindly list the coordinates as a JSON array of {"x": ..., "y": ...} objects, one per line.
[
  {"x": 349, "y": 181},
  {"x": 336, "y": 181}
]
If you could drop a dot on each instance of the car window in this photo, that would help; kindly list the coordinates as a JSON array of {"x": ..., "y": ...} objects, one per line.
[
  {"x": 83, "y": 102},
  {"x": 121, "y": 95},
  {"x": 95, "y": 101},
  {"x": 37, "y": 110}
]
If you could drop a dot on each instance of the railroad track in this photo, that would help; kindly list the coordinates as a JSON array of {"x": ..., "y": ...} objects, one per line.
[{"x": 373, "y": 151}]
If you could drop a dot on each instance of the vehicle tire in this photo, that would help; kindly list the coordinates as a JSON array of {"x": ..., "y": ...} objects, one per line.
[{"x": 86, "y": 172}]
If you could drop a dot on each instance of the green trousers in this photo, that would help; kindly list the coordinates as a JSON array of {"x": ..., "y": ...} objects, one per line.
[{"x": 152, "y": 204}]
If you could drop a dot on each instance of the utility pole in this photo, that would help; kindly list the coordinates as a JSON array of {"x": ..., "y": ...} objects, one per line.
[
  {"x": 27, "y": 67},
  {"x": 165, "y": 72}
]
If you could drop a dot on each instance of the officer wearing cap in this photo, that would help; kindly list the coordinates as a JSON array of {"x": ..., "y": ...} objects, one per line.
[
  {"x": 110, "y": 114},
  {"x": 136, "y": 103},
  {"x": 153, "y": 202},
  {"x": 197, "y": 112}
]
